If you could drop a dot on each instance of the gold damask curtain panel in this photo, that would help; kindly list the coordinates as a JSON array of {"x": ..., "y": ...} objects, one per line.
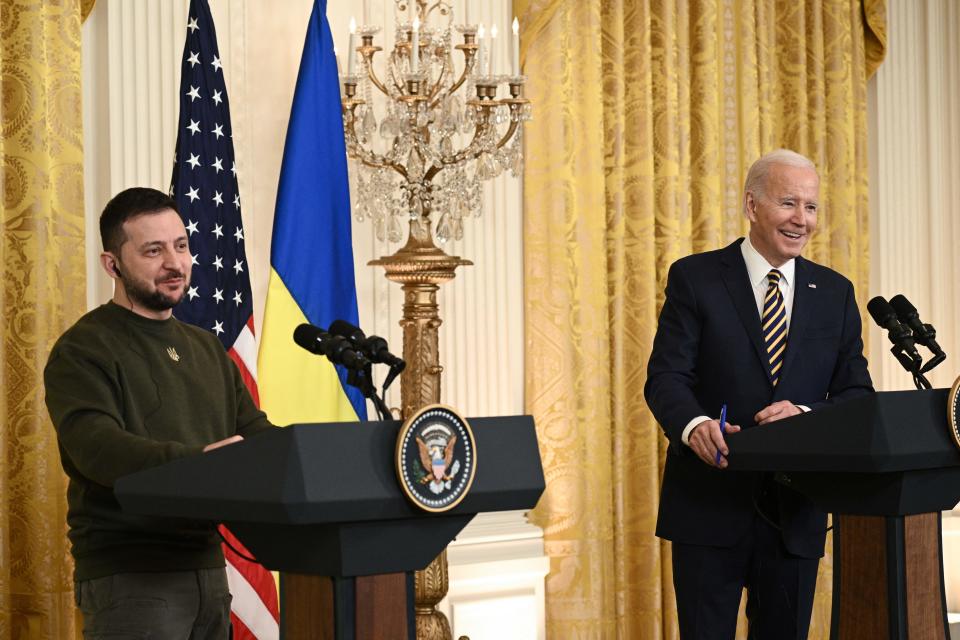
[
  {"x": 43, "y": 292},
  {"x": 647, "y": 114}
]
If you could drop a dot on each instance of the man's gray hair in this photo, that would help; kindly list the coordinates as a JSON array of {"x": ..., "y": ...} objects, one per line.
[{"x": 757, "y": 175}]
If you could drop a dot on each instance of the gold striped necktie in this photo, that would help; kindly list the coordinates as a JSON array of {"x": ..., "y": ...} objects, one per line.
[{"x": 774, "y": 322}]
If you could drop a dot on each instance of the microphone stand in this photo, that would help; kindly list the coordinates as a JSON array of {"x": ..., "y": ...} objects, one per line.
[
  {"x": 916, "y": 366},
  {"x": 912, "y": 365},
  {"x": 929, "y": 339},
  {"x": 363, "y": 380},
  {"x": 382, "y": 407},
  {"x": 920, "y": 381}
]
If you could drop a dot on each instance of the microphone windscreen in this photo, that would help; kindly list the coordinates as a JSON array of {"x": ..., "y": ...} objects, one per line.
[
  {"x": 347, "y": 330},
  {"x": 881, "y": 311},
  {"x": 903, "y": 307},
  {"x": 308, "y": 337}
]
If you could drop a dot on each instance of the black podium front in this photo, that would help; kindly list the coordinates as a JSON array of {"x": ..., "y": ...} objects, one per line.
[
  {"x": 324, "y": 500},
  {"x": 886, "y": 466}
]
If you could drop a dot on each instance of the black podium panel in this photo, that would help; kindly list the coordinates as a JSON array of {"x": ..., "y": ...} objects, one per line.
[
  {"x": 324, "y": 499},
  {"x": 888, "y": 453},
  {"x": 875, "y": 433},
  {"x": 350, "y": 549},
  {"x": 887, "y": 494}
]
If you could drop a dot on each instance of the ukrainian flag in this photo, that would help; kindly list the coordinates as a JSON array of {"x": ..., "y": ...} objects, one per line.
[{"x": 311, "y": 257}]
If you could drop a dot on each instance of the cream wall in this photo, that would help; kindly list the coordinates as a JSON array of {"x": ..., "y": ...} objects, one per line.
[
  {"x": 915, "y": 180},
  {"x": 915, "y": 198},
  {"x": 132, "y": 53}
]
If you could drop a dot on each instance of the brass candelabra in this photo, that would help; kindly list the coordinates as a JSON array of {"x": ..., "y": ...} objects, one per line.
[{"x": 423, "y": 161}]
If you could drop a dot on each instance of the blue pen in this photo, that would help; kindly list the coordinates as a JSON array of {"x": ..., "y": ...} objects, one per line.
[{"x": 723, "y": 426}]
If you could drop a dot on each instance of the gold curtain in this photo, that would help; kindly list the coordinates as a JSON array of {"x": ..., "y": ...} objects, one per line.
[
  {"x": 647, "y": 114},
  {"x": 41, "y": 170}
]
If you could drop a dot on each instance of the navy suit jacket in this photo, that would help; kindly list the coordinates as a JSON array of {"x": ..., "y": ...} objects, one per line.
[{"x": 709, "y": 351}]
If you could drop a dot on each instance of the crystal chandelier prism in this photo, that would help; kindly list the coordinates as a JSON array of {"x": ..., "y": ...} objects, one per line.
[{"x": 425, "y": 124}]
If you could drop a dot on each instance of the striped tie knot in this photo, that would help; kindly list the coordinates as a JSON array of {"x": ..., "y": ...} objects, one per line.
[{"x": 774, "y": 324}]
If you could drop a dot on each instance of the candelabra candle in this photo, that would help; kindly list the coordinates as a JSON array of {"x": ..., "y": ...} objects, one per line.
[
  {"x": 426, "y": 126},
  {"x": 493, "y": 50},
  {"x": 481, "y": 40},
  {"x": 415, "y": 52},
  {"x": 515, "y": 68},
  {"x": 352, "y": 50}
]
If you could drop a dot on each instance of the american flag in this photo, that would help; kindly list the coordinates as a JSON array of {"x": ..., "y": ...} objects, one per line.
[{"x": 218, "y": 299}]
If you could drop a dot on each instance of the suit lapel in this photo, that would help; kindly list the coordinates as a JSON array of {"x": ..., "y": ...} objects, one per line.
[
  {"x": 799, "y": 316},
  {"x": 734, "y": 273}
]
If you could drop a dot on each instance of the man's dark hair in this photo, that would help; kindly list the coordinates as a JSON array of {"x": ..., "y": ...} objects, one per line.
[{"x": 127, "y": 204}]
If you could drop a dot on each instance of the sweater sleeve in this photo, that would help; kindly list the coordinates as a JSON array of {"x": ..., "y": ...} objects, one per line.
[
  {"x": 251, "y": 421},
  {"x": 83, "y": 398}
]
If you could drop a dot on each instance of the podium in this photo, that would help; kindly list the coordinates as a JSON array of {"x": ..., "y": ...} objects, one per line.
[
  {"x": 885, "y": 465},
  {"x": 321, "y": 503}
]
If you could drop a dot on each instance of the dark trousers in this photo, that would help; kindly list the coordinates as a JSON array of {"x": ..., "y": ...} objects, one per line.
[
  {"x": 187, "y": 605},
  {"x": 709, "y": 582}
]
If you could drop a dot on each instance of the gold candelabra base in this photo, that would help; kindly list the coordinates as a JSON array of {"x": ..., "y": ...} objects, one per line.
[
  {"x": 431, "y": 587},
  {"x": 421, "y": 267}
]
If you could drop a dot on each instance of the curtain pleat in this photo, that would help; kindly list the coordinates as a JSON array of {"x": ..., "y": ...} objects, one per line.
[
  {"x": 42, "y": 257},
  {"x": 647, "y": 115}
]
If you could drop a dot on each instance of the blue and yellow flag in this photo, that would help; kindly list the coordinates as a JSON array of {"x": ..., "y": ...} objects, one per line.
[{"x": 311, "y": 257}]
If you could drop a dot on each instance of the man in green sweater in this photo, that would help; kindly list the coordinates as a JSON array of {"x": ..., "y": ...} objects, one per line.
[{"x": 130, "y": 387}]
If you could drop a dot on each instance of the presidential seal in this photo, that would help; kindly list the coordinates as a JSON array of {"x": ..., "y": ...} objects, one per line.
[
  {"x": 953, "y": 412},
  {"x": 436, "y": 458}
]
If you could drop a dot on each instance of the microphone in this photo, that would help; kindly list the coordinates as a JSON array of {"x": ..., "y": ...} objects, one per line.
[
  {"x": 373, "y": 347},
  {"x": 336, "y": 348},
  {"x": 884, "y": 315},
  {"x": 352, "y": 333},
  {"x": 923, "y": 333},
  {"x": 901, "y": 337}
]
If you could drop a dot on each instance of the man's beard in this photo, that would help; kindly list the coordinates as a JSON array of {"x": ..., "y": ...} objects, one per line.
[{"x": 154, "y": 300}]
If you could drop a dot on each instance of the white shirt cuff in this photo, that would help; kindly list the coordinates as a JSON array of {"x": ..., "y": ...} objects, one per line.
[{"x": 685, "y": 436}]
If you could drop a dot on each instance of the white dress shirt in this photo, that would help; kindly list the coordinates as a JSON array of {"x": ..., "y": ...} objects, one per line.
[{"x": 757, "y": 270}]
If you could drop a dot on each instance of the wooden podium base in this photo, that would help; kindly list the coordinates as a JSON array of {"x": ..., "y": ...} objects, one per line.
[
  {"x": 361, "y": 608},
  {"x": 888, "y": 578}
]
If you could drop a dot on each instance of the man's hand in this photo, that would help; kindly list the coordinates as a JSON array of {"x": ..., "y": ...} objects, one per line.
[
  {"x": 222, "y": 443},
  {"x": 706, "y": 440},
  {"x": 777, "y": 411}
]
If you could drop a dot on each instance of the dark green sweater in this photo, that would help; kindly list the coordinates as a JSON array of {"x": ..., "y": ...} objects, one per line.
[{"x": 127, "y": 393}]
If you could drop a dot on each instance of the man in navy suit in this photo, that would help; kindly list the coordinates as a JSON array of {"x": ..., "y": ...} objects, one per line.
[{"x": 759, "y": 329}]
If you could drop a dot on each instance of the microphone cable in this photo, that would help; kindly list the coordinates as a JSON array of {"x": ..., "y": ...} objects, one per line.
[{"x": 769, "y": 521}]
